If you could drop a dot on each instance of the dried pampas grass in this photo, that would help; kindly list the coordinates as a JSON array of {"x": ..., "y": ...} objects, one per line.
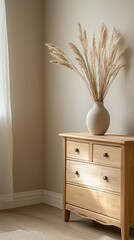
[{"x": 98, "y": 64}]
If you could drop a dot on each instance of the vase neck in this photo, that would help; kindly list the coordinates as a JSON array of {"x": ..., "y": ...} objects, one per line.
[{"x": 99, "y": 104}]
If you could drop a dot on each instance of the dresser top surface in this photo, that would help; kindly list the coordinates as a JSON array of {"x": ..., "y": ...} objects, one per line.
[{"x": 113, "y": 138}]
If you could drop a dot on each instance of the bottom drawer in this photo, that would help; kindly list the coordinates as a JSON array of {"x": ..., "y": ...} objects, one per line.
[{"x": 101, "y": 202}]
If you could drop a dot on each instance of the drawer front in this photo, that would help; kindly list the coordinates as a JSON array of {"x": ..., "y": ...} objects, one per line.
[
  {"x": 107, "y": 155},
  {"x": 77, "y": 150},
  {"x": 92, "y": 175},
  {"x": 100, "y": 202}
]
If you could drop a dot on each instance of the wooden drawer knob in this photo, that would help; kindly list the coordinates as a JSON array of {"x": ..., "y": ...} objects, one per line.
[
  {"x": 77, "y": 173},
  {"x": 77, "y": 150},
  {"x": 105, "y": 178},
  {"x": 105, "y": 155}
]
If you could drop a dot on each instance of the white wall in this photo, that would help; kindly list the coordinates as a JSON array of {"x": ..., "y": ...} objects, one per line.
[{"x": 67, "y": 99}]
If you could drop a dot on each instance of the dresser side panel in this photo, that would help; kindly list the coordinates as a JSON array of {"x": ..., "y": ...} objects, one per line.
[{"x": 131, "y": 156}]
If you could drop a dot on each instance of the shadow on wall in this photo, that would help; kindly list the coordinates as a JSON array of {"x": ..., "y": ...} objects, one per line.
[
  {"x": 129, "y": 118},
  {"x": 129, "y": 95}
]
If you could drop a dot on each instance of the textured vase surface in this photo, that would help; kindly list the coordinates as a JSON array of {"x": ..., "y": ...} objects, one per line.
[{"x": 98, "y": 119}]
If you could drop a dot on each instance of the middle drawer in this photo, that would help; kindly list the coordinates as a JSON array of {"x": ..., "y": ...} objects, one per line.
[{"x": 91, "y": 175}]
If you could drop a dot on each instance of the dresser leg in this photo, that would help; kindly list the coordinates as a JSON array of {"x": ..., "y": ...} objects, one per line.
[
  {"x": 125, "y": 233},
  {"x": 66, "y": 215}
]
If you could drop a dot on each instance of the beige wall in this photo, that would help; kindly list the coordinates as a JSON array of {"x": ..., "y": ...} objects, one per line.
[
  {"x": 67, "y": 99},
  {"x": 25, "y": 33}
]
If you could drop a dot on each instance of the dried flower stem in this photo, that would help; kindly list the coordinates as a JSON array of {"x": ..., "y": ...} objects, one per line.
[{"x": 99, "y": 65}]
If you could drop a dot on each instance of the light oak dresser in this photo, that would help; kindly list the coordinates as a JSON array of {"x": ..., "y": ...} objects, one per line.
[{"x": 98, "y": 181}]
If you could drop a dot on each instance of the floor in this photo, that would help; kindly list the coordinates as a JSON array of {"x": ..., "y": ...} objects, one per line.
[{"x": 47, "y": 219}]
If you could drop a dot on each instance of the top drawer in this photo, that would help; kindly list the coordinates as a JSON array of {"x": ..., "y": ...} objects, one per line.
[
  {"x": 77, "y": 150},
  {"x": 107, "y": 155}
]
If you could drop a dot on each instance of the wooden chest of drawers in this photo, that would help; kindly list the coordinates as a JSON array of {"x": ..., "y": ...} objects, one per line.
[{"x": 98, "y": 181}]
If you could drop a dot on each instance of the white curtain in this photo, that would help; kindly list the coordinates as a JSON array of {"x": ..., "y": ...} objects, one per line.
[{"x": 6, "y": 141}]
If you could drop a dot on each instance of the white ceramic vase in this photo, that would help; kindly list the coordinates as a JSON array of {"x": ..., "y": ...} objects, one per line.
[{"x": 98, "y": 119}]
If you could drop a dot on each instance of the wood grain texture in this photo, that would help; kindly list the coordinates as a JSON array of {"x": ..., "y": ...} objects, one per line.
[
  {"x": 107, "y": 138},
  {"x": 113, "y": 153},
  {"x": 126, "y": 194},
  {"x": 111, "y": 156},
  {"x": 78, "y": 150},
  {"x": 94, "y": 216},
  {"x": 48, "y": 220},
  {"x": 91, "y": 175},
  {"x": 66, "y": 213},
  {"x": 100, "y": 202}
]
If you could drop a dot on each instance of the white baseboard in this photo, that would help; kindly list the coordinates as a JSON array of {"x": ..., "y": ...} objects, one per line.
[
  {"x": 33, "y": 197},
  {"x": 52, "y": 198},
  {"x": 23, "y": 199}
]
